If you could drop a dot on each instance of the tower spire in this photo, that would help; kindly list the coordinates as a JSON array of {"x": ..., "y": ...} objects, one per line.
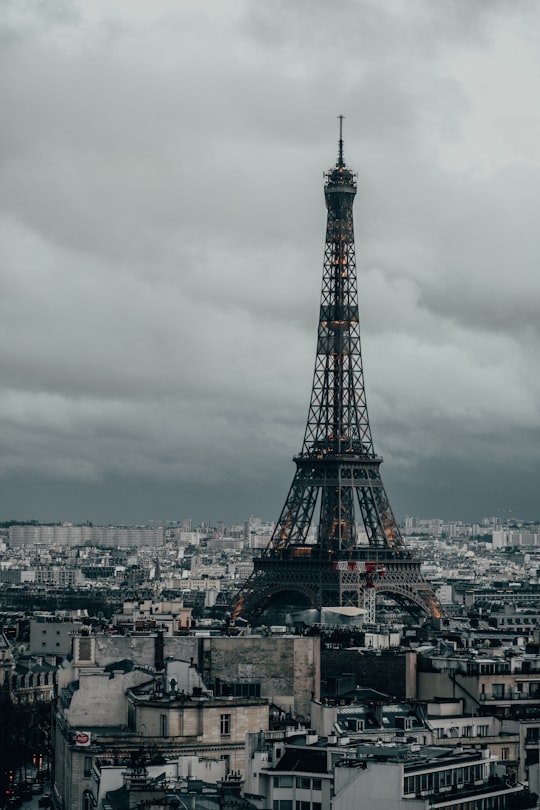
[{"x": 341, "y": 162}]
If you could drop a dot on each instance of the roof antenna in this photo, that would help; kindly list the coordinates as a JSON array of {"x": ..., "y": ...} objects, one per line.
[{"x": 340, "y": 154}]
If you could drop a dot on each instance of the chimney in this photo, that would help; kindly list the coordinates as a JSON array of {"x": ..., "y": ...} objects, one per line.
[{"x": 159, "y": 649}]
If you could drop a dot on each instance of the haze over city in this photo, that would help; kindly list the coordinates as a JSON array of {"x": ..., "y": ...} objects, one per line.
[{"x": 161, "y": 233}]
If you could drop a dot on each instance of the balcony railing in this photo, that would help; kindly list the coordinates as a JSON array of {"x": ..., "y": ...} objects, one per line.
[
  {"x": 495, "y": 785},
  {"x": 509, "y": 696}
]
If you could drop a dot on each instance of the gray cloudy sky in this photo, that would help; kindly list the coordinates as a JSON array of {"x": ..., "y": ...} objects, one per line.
[{"x": 161, "y": 239}]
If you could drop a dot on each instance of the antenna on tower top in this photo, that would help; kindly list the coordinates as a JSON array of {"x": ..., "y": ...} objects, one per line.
[{"x": 340, "y": 154}]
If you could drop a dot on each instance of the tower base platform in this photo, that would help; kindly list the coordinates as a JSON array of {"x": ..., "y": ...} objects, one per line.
[{"x": 322, "y": 580}]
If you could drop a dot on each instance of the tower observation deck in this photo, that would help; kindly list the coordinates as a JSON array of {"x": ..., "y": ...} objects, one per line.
[{"x": 337, "y": 473}]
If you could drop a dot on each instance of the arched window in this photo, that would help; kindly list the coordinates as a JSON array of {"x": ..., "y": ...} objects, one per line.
[{"x": 88, "y": 801}]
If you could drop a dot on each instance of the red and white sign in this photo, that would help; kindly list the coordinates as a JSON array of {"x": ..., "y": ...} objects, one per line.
[{"x": 83, "y": 737}]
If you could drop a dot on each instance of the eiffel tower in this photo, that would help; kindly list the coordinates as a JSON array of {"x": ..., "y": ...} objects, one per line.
[{"x": 337, "y": 468}]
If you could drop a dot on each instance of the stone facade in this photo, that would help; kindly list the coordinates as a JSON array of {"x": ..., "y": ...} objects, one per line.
[
  {"x": 286, "y": 668},
  {"x": 122, "y": 710},
  {"x": 391, "y": 672}
]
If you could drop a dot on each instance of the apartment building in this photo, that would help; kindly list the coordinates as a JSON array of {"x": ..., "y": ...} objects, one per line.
[
  {"x": 123, "y": 710},
  {"x": 311, "y": 774},
  {"x": 494, "y": 685}
]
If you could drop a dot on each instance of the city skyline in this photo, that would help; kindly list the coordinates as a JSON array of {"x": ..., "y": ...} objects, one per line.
[{"x": 162, "y": 221}]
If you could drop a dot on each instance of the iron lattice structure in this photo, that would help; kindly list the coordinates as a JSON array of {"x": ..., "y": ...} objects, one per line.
[{"x": 337, "y": 467}]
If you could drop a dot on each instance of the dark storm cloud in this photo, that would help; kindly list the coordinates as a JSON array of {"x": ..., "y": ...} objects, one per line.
[{"x": 161, "y": 230}]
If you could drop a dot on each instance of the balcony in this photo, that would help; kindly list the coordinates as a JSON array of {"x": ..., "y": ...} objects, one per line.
[
  {"x": 495, "y": 786},
  {"x": 528, "y": 670},
  {"x": 509, "y": 697}
]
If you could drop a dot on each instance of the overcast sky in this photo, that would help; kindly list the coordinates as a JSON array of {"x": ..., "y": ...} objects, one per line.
[{"x": 161, "y": 240}]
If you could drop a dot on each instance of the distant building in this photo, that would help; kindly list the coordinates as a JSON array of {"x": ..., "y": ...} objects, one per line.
[
  {"x": 170, "y": 616},
  {"x": 6, "y": 659},
  {"x": 33, "y": 680},
  {"x": 520, "y": 539},
  {"x": 50, "y": 635},
  {"x": 17, "y": 576},
  {"x": 67, "y": 535}
]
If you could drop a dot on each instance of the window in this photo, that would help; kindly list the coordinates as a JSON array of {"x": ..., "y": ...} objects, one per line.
[
  {"x": 445, "y": 778},
  {"x": 283, "y": 781},
  {"x": 303, "y": 782},
  {"x": 482, "y": 731},
  {"x": 131, "y": 717},
  {"x": 317, "y": 784},
  {"x": 241, "y": 690},
  {"x": 225, "y": 725},
  {"x": 316, "y": 806},
  {"x": 497, "y": 691},
  {"x": 302, "y": 806},
  {"x": 87, "y": 766},
  {"x": 505, "y": 752},
  {"x": 85, "y": 648},
  {"x": 282, "y": 804},
  {"x": 227, "y": 760},
  {"x": 163, "y": 725}
]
